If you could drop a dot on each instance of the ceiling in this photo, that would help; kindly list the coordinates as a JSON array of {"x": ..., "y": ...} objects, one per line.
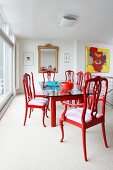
[{"x": 39, "y": 19}]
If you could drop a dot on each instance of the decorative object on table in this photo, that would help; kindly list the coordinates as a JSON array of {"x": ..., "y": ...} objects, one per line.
[
  {"x": 65, "y": 92},
  {"x": 97, "y": 59},
  {"x": 43, "y": 68},
  {"x": 50, "y": 67},
  {"x": 52, "y": 83},
  {"x": 28, "y": 58},
  {"x": 67, "y": 57},
  {"x": 66, "y": 85}
]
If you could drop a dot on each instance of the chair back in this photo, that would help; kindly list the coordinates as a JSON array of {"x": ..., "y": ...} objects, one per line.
[
  {"x": 79, "y": 78},
  {"x": 33, "y": 85},
  {"x": 27, "y": 87},
  {"x": 87, "y": 76},
  {"x": 69, "y": 75},
  {"x": 48, "y": 76},
  {"x": 92, "y": 98}
]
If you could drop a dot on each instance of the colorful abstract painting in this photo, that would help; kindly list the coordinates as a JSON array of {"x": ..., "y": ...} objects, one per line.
[{"x": 97, "y": 59}]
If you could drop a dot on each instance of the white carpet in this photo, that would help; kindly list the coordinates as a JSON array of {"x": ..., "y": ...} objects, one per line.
[{"x": 34, "y": 147}]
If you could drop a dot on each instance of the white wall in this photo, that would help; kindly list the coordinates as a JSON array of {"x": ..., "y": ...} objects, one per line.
[
  {"x": 26, "y": 45},
  {"x": 75, "y": 56},
  {"x": 81, "y": 56},
  {"x": 75, "y": 48}
]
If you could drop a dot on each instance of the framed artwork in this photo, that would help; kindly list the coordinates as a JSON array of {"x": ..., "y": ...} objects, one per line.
[
  {"x": 67, "y": 58},
  {"x": 28, "y": 58},
  {"x": 97, "y": 59}
]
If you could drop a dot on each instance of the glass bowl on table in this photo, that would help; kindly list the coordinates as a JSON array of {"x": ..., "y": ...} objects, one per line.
[
  {"x": 52, "y": 83},
  {"x": 66, "y": 85}
]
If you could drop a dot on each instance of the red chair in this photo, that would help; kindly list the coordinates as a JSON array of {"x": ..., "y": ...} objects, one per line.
[
  {"x": 35, "y": 93},
  {"x": 85, "y": 115},
  {"x": 69, "y": 74},
  {"x": 31, "y": 102},
  {"x": 87, "y": 76},
  {"x": 48, "y": 76},
  {"x": 79, "y": 78}
]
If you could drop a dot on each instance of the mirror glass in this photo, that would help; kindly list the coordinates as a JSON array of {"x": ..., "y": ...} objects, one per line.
[{"x": 48, "y": 58}]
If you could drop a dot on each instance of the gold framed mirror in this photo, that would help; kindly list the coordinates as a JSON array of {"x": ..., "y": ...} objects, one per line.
[{"x": 48, "y": 58}]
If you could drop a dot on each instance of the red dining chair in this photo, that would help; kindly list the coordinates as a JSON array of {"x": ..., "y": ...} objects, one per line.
[
  {"x": 37, "y": 93},
  {"x": 69, "y": 75},
  {"x": 31, "y": 103},
  {"x": 48, "y": 76},
  {"x": 86, "y": 115},
  {"x": 79, "y": 78},
  {"x": 87, "y": 75}
]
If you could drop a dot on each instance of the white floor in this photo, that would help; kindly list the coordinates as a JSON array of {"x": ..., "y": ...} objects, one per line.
[{"x": 34, "y": 147}]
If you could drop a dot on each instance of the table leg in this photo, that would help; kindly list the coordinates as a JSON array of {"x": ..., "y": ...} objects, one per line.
[{"x": 53, "y": 112}]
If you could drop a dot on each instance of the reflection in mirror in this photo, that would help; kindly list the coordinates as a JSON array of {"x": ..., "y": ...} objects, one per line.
[{"x": 48, "y": 58}]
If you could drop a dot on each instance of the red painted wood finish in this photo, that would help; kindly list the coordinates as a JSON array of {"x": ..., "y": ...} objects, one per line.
[
  {"x": 61, "y": 98},
  {"x": 38, "y": 93},
  {"x": 29, "y": 97},
  {"x": 69, "y": 74},
  {"x": 79, "y": 79},
  {"x": 87, "y": 76},
  {"x": 90, "y": 102},
  {"x": 49, "y": 75}
]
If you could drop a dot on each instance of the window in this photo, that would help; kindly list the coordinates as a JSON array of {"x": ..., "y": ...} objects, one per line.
[
  {"x": 6, "y": 62},
  {"x": 2, "y": 24},
  {"x": 5, "y": 27}
]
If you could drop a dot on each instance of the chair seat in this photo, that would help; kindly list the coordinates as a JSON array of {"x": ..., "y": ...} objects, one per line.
[
  {"x": 87, "y": 113},
  {"x": 38, "y": 101},
  {"x": 76, "y": 113}
]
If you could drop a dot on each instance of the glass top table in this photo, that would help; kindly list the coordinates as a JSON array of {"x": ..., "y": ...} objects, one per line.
[
  {"x": 55, "y": 91},
  {"x": 57, "y": 94}
]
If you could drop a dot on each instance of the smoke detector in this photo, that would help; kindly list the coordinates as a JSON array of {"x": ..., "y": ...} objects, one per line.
[{"x": 67, "y": 20}]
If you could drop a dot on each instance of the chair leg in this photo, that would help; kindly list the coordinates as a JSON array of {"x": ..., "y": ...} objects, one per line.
[
  {"x": 44, "y": 112},
  {"x": 31, "y": 109},
  {"x": 48, "y": 104},
  {"x": 104, "y": 134},
  {"x": 25, "y": 115},
  {"x": 62, "y": 129},
  {"x": 84, "y": 143},
  {"x": 48, "y": 108}
]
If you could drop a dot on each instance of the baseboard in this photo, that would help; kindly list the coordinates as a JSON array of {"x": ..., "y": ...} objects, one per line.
[{"x": 5, "y": 107}]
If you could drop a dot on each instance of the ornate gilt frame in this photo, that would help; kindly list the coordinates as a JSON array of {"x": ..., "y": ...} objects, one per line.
[{"x": 47, "y": 46}]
